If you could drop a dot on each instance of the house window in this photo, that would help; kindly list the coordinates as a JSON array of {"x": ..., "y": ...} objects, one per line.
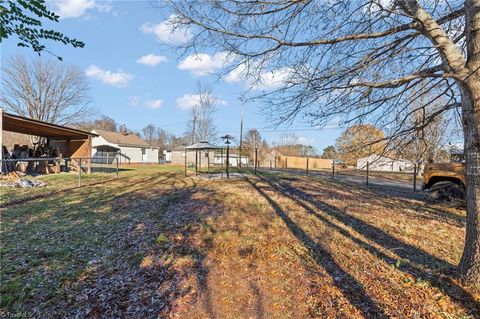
[{"x": 144, "y": 151}]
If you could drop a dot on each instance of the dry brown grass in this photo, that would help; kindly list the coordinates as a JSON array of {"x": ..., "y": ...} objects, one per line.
[{"x": 273, "y": 246}]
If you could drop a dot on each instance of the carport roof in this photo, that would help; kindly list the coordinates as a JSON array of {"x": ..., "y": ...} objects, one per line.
[{"x": 25, "y": 125}]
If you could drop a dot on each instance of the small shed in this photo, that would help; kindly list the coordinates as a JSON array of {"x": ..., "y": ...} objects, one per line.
[{"x": 385, "y": 164}]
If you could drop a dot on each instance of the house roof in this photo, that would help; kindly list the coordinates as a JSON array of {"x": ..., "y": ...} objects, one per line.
[
  {"x": 124, "y": 139},
  {"x": 178, "y": 148}
]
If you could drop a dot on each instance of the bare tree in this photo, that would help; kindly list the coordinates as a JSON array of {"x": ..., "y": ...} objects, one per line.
[
  {"x": 45, "y": 89},
  {"x": 359, "y": 61},
  {"x": 163, "y": 138},
  {"x": 122, "y": 128},
  {"x": 104, "y": 123},
  {"x": 289, "y": 144},
  {"x": 201, "y": 125},
  {"x": 148, "y": 133}
]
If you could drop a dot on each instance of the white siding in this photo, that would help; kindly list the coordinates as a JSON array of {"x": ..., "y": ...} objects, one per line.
[
  {"x": 151, "y": 155},
  {"x": 167, "y": 155},
  {"x": 132, "y": 154},
  {"x": 178, "y": 157},
  {"x": 233, "y": 160},
  {"x": 384, "y": 164},
  {"x": 135, "y": 155},
  {"x": 98, "y": 140}
]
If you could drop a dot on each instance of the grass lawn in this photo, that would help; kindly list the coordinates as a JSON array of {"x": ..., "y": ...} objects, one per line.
[{"x": 154, "y": 244}]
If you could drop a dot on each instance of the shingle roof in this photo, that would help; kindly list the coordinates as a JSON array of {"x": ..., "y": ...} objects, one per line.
[
  {"x": 178, "y": 148},
  {"x": 122, "y": 138}
]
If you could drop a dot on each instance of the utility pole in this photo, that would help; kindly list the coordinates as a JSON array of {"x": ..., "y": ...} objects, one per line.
[
  {"x": 193, "y": 127},
  {"x": 241, "y": 132},
  {"x": 255, "y": 152}
]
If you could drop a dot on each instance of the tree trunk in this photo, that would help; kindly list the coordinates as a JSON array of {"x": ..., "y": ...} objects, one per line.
[{"x": 469, "y": 267}]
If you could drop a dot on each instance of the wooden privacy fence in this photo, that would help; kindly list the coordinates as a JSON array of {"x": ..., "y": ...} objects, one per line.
[{"x": 302, "y": 162}]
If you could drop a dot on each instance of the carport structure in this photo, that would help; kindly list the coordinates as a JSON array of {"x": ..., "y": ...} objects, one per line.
[
  {"x": 200, "y": 148},
  {"x": 72, "y": 143}
]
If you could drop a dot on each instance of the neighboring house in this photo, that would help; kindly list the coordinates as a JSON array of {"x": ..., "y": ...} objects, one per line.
[
  {"x": 384, "y": 164},
  {"x": 128, "y": 148},
  {"x": 167, "y": 156},
  {"x": 234, "y": 159}
]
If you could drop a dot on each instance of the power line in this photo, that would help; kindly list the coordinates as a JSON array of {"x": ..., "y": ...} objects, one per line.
[{"x": 285, "y": 129}]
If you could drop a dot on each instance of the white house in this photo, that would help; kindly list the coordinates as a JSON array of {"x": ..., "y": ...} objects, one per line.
[
  {"x": 167, "y": 156},
  {"x": 233, "y": 159},
  {"x": 128, "y": 148},
  {"x": 384, "y": 164}
]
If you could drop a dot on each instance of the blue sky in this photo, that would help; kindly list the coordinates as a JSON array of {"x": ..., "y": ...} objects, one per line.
[{"x": 137, "y": 81}]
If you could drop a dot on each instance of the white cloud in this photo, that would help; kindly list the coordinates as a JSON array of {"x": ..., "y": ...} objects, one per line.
[
  {"x": 189, "y": 101},
  {"x": 266, "y": 80},
  {"x": 274, "y": 79},
  {"x": 202, "y": 64},
  {"x": 119, "y": 78},
  {"x": 166, "y": 33},
  {"x": 152, "y": 59},
  {"x": 376, "y": 6},
  {"x": 153, "y": 104},
  {"x": 77, "y": 8}
]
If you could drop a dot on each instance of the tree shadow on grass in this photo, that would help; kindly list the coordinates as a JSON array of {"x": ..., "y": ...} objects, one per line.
[
  {"x": 421, "y": 264},
  {"x": 258, "y": 302},
  {"x": 390, "y": 192},
  {"x": 350, "y": 287},
  {"x": 403, "y": 198},
  {"x": 117, "y": 262}
]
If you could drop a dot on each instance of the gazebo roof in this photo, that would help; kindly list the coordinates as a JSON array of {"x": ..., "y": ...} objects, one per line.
[{"x": 202, "y": 145}]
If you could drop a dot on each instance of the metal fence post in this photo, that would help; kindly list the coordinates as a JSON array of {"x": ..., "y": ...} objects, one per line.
[
  {"x": 415, "y": 177},
  {"x": 116, "y": 161},
  {"x": 185, "y": 154},
  {"x": 306, "y": 170},
  {"x": 368, "y": 170},
  {"x": 256, "y": 163},
  {"x": 80, "y": 172},
  {"x": 333, "y": 169}
]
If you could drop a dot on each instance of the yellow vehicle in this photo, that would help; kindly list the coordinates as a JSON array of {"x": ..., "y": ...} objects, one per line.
[{"x": 446, "y": 181}]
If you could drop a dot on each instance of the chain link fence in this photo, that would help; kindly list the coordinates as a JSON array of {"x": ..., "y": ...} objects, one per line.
[{"x": 24, "y": 178}]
